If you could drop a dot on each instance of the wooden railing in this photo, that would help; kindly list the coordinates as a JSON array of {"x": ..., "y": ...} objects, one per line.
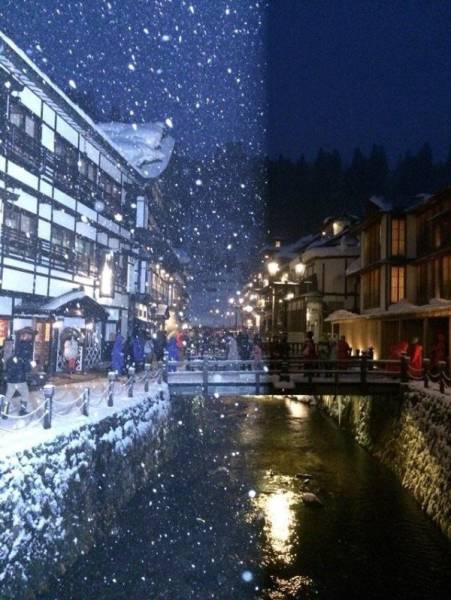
[{"x": 358, "y": 374}]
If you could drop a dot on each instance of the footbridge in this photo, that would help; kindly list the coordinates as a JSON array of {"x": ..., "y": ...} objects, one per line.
[{"x": 294, "y": 376}]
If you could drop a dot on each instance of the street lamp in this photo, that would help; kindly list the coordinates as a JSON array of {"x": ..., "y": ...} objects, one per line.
[
  {"x": 299, "y": 268},
  {"x": 273, "y": 267}
]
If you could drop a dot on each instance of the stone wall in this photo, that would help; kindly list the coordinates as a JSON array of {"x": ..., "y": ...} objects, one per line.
[
  {"x": 58, "y": 497},
  {"x": 412, "y": 436}
]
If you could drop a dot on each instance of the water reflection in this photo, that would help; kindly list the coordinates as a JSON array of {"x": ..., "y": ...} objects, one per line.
[
  {"x": 279, "y": 521},
  {"x": 297, "y": 409}
]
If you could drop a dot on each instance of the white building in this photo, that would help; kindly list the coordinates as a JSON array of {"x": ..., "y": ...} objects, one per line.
[{"x": 71, "y": 208}]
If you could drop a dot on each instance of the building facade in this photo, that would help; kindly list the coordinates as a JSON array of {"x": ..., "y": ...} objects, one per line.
[
  {"x": 74, "y": 214},
  {"x": 304, "y": 282},
  {"x": 404, "y": 276}
]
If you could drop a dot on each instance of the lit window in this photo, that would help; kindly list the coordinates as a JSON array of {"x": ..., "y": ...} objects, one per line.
[
  {"x": 445, "y": 291},
  {"x": 398, "y": 237},
  {"x": 398, "y": 284}
]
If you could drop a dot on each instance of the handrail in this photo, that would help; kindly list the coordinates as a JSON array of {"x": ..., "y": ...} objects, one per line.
[
  {"x": 58, "y": 406},
  {"x": 358, "y": 370}
]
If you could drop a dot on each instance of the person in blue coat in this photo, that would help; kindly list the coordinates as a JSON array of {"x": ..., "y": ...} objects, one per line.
[
  {"x": 117, "y": 355},
  {"x": 173, "y": 352},
  {"x": 138, "y": 351}
]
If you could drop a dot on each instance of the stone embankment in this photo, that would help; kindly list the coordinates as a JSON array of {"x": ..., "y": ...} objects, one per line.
[
  {"x": 59, "y": 496},
  {"x": 412, "y": 436}
]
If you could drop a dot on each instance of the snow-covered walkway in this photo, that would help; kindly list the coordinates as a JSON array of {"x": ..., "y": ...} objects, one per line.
[{"x": 18, "y": 434}]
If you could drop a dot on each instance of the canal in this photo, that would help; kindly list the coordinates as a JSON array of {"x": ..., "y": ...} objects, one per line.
[{"x": 226, "y": 518}]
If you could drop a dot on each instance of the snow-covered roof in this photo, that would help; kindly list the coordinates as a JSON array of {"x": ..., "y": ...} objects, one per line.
[
  {"x": 342, "y": 315},
  {"x": 381, "y": 203},
  {"x": 146, "y": 146},
  {"x": 165, "y": 149}
]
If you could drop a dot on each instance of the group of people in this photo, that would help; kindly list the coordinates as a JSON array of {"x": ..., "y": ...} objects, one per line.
[
  {"x": 414, "y": 351},
  {"x": 137, "y": 350}
]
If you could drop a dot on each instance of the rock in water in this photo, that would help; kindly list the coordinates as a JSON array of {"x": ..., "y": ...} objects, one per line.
[
  {"x": 304, "y": 476},
  {"x": 311, "y": 499}
]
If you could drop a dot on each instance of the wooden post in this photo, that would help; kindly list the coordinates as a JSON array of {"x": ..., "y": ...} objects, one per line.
[
  {"x": 131, "y": 381},
  {"x": 146, "y": 377},
  {"x": 49, "y": 390},
  {"x": 165, "y": 366},
  {"x": 339, "y": 411},
  {"x": 441, "y": 368},
  {"x": 205, "y": 377},
  {"x": 2, "y": 406},
  {"x": 257, "y": 382},
  {"x": 363, "y": 369},
  {"x": 404, "y": 368},
  {"x": 86, "y": 398},
  {"x": 426, "y": 367},
  {"x": 111, "y": 380}
]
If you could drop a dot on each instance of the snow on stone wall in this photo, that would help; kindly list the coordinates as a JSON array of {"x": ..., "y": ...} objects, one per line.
[
  {"x": 58, "y": 496},
  {"x": 147, "y": 146},
  {"x": 410, "y": 435}
]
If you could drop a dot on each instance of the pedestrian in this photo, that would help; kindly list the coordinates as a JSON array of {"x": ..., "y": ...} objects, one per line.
[
  {"x": 8, "y": 348},
  {"x": 138, "y": 351},
  {"x": 343, "y": 352},
  {"x": 396, "y": 352},
  {"x": 257, "y": 356},
  {"x": 438, "y": 353},
  {"x": 308, "y": 348},
  {"x": 148, "y": 351},
  {"x": 173, "y": 352},
  {"x": 324, "y": 353},
  {"x": 416, "y": 357},
  {"x": 70, "y": 353},
  {"x": 16, "y": 370},
  {"x": 180, "y": 341},
  {"x": 117, "y": 355},
  {"x": 232, "y": 350}
]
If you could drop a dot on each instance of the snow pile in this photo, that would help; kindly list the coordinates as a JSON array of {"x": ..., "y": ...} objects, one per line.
[
  {"x": 58, "y": 495},
  {"x": 146, "y": 146}
]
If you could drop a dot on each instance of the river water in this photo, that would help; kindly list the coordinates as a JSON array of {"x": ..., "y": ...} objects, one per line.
[{"x": 226, "y": 520}]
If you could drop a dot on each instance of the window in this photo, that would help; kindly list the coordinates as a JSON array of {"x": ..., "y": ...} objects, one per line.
[
  {"x": 88, "y": 169},
  {"x": 398, "y": 237},
  {"x": 62, "y": 237},
  {"x": 24, "y": 120},
  {"x": 85, "y": 255},
  {"x": 20, "y": 221},
  {"x": 445, "y": 291},
  {"x": 66, "y": 153},
  {"x": 397, "y": 284},
  {"x": 371, "y": 289},
  {"x": 372, "y": 244},
  {"x": 111, "y": 191}
]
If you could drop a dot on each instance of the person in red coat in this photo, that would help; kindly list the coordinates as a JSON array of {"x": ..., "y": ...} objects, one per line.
[
  {"x": 343, "y": 352},
  {"x": 438, "y": 353},
  {"x": 396, "y": 351},
  {"x": 416, "y": 357}
]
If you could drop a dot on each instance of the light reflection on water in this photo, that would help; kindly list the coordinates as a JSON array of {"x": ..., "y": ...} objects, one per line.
[
  {"x": 297, "y": 409},
  {"x": 280, "y": 520}
]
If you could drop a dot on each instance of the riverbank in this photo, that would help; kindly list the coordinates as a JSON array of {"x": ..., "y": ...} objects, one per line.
[
  {"x": 410, "y": 435},
  {"x": 63, "y": 490}
]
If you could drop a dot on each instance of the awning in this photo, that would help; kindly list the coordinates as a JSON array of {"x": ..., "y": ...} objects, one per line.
[{"x": 74, "y": 303}]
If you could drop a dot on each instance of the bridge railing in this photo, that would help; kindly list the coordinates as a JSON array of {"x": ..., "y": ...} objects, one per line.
[{"x": 358, "y": 370}]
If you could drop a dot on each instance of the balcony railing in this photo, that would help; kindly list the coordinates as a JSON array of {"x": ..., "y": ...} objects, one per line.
[
  {"x": 18, "y": 244},
  {"x": 23, "y": 148}
]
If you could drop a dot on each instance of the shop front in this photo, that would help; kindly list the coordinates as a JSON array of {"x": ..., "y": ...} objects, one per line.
[{"x": 66, "y": 332}]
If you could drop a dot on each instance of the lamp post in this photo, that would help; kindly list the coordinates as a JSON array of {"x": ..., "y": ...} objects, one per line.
[{"x": 273, "y": 268}]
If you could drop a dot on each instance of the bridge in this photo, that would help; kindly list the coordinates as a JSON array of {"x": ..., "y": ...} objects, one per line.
[
  {"x": 293, "y": 376},
  {"x": 299, "y": 376}
]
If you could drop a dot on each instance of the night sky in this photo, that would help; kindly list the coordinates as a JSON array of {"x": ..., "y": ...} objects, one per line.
[
  {"x": 347, "y": 73},
  {"x": 199, "y": 63},
  {"x": 341, "y": 73}
]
